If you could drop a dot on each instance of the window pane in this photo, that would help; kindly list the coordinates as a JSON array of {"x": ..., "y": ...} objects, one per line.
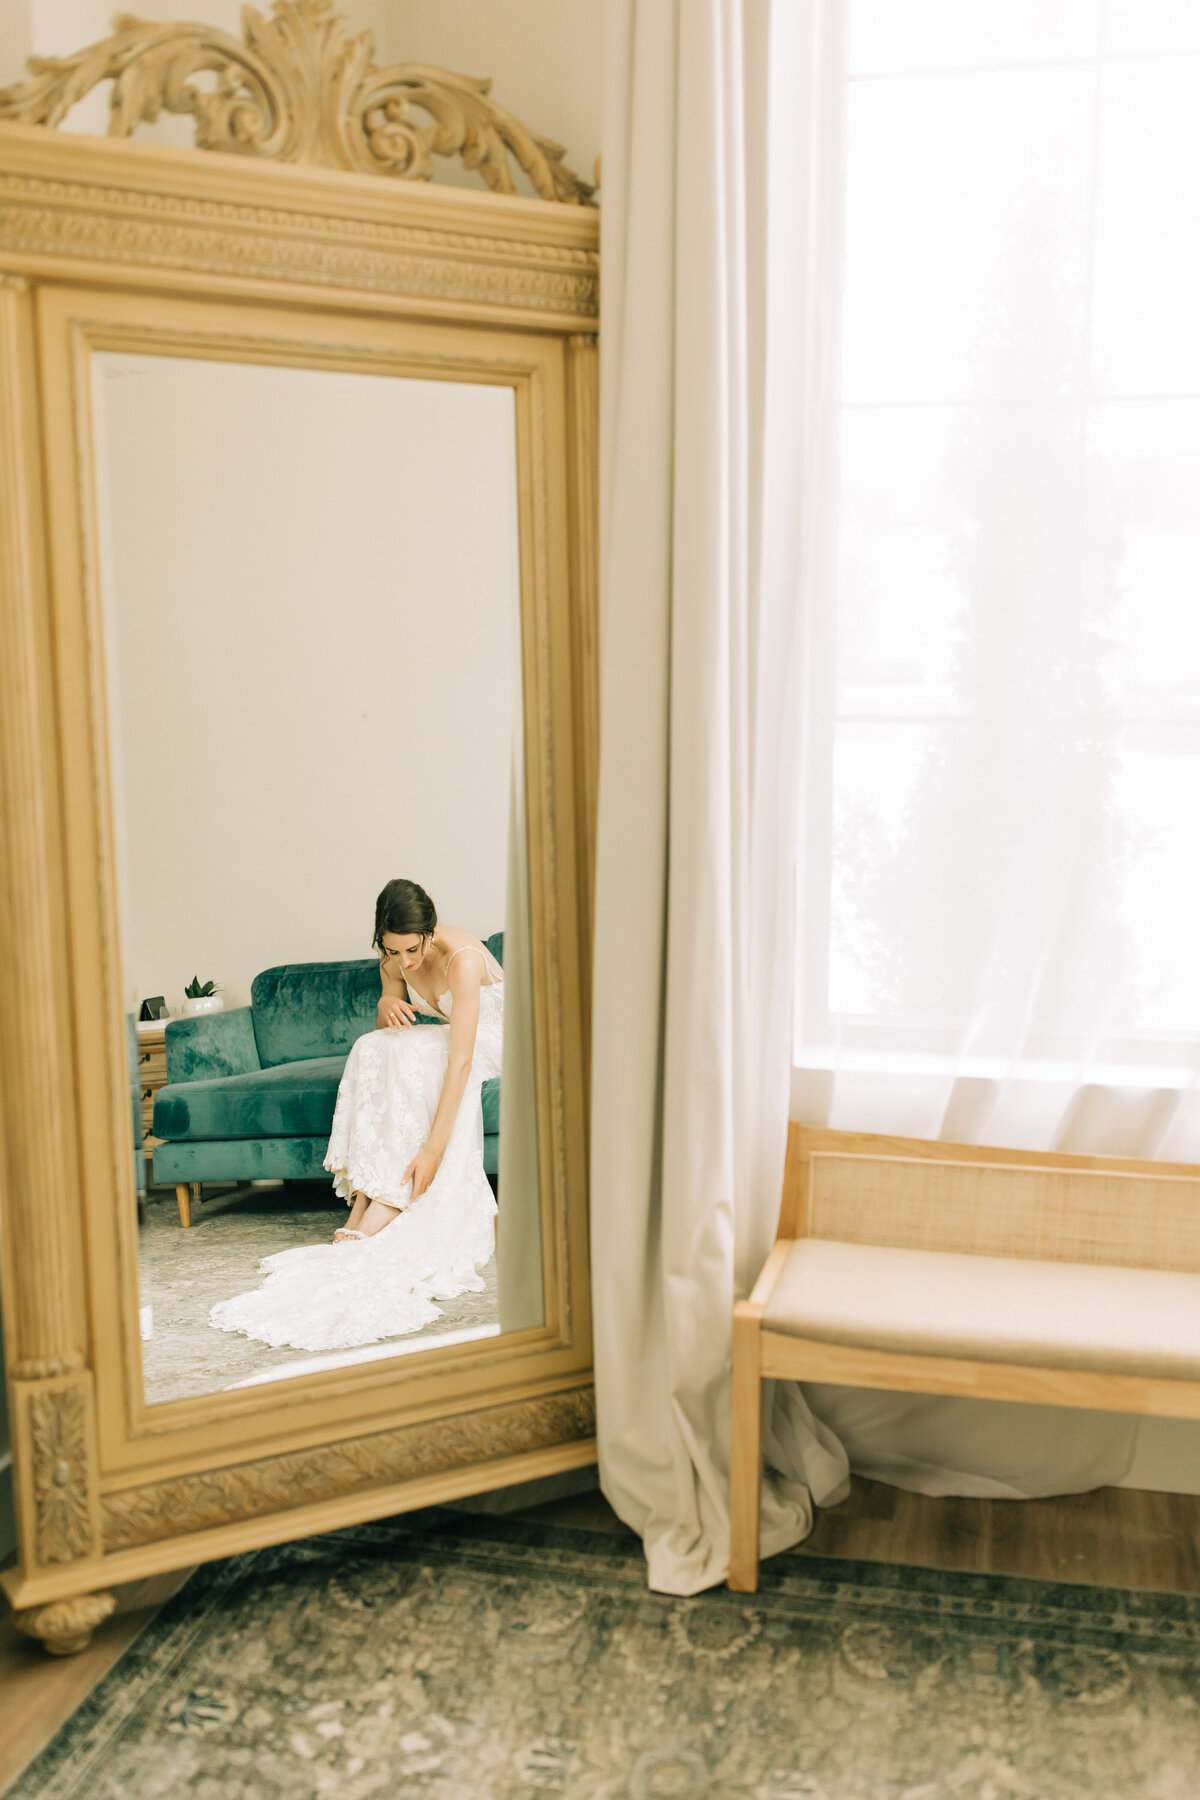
[
  {"x": 886, "y": 35},
  {"x": 967, "y": 229},
  {"x": 1147, "y": 273},
  {"x": 1159, "y": 797},
  {"x": 1145, "y": 458},
  {"x": 1137, "y": 26},
  {"x": 1001, "y": 847},
  {"x": 898, "y": 593}
]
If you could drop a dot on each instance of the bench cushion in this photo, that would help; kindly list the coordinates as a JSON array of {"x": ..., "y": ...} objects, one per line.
[{"x": 990, "y": 1308}]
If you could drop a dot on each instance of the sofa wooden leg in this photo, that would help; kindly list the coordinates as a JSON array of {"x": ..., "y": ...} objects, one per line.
[
  {"x": 745, "y": 1453},
  {"x": 183, "y": 1195}
]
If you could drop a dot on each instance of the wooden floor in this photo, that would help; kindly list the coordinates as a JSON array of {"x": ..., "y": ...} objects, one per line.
[
  {"x": 1116, "y": 1537},
  {"x": 38, "y": 1693}
]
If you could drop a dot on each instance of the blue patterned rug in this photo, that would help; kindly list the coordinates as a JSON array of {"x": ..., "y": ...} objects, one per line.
[{"x": 455, "y": 1657}]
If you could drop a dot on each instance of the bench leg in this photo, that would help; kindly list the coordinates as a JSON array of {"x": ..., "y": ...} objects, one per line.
[
  {"x": 745, "y": 1453},
  {"x": 183, "y": 1195}
]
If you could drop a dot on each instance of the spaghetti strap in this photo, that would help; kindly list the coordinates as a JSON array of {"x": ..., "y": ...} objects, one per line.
[{"x": 492, "y": 968}]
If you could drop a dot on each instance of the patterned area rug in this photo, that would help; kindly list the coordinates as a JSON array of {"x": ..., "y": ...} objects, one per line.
[{"x": 453, "y": 1657}]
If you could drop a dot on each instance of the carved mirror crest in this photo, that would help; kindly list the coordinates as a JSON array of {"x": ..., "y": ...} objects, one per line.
[{"x": 297, "y": 89}]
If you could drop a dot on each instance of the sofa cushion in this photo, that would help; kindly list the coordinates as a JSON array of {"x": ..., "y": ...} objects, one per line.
[
  {"x": 290, "y": 1100},
  {"x": 303, "y": 1010},
  {"x": 242, "y": 1159},
  {"x": 211, "y": 1044},
  {"x": 253, "y": 1159}
]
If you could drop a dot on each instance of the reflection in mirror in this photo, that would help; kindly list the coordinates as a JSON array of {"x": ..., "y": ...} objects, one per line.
[{"x": 312, "y": 594}]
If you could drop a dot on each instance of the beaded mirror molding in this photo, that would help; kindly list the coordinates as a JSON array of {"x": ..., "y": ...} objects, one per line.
[{"x": 297, "y": 89}]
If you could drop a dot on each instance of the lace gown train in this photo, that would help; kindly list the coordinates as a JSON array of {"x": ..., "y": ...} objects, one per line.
[{"x": 336, "y": 1296}]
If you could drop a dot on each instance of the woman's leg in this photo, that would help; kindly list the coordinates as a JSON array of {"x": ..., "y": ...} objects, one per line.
[
  {"x": 377, "y": 1215},
  {"x": 354, "y": 1222},
  {"x": 387, "y": 1101},
  {"x": 366, "y": 1216}
]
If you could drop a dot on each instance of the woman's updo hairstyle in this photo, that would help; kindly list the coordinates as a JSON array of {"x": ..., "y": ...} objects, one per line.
[{"x": 405, "y": 909}]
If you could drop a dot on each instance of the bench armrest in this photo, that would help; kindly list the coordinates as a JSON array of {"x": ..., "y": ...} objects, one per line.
[
  {"x": 768, "y": 1277},
  {"x": 210, "y": 1045}
]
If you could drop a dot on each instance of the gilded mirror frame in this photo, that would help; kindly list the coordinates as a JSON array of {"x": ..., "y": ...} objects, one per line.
[{"x": 109, "y": 244}]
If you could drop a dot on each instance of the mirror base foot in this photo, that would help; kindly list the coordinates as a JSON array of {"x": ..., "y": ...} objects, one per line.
[{"x": 65, "y": 1627}]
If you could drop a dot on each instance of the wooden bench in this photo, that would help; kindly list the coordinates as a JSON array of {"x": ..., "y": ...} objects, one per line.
[{"x": 945, "y": 1269}]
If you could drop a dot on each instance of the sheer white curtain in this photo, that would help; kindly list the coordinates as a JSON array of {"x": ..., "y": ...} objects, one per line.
[
  {"x": 704, "y": 418},
  {"x": 1001, "y": 792}
]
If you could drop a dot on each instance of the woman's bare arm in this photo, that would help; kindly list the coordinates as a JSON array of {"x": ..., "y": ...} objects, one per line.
[
  {"x": 465, "y": 977},
  {"x": 394, "y": 1009}
]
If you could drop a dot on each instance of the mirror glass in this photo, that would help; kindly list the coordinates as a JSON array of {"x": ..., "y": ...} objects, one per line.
[{"x": 311, "y": 587}]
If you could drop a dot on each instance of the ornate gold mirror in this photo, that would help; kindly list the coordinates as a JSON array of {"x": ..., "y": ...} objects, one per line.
[{"x": 297, "y": 550}]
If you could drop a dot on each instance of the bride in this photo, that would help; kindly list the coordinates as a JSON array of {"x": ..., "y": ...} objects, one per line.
[{"x": 405, "y": 1152}]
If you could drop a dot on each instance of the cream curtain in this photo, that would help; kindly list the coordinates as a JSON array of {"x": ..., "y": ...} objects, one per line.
[{"x": 707, "y": 348}]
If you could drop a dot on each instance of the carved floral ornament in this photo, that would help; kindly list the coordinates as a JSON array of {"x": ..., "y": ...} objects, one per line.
[
  {"x": 59, "y": 1431},
  {"x": 275, "y": 1484},
  {"x": 297, "y": 89}
]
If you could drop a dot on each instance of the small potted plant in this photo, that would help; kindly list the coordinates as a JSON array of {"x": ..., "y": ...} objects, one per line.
[{"x": 201, "y": 997}]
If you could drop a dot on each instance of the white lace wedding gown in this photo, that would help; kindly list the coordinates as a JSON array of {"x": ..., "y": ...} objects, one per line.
[{"x": 335, "y": 1296}]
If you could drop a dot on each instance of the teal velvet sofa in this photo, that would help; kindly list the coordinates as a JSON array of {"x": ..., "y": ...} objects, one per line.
[{"x": 250, "y": 1092}]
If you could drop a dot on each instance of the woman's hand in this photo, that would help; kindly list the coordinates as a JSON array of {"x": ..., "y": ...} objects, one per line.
[
  {"x": 422, "y": 1169},
  {"x": 393, "y": 1013}
]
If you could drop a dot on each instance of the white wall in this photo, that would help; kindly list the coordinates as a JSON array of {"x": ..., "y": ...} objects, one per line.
[
  {"x": 17, "y": 40},
  {"x": 60, "y": 27},
  {"x": 312, "y": 581},
  {"x": 543, "y": 56}
]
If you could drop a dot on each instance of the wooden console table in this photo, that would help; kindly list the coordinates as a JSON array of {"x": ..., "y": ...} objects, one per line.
[{"x": 152, "y": 1072}]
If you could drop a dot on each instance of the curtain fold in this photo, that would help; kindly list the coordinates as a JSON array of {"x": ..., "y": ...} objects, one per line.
[{"x": 702, "y": 418}]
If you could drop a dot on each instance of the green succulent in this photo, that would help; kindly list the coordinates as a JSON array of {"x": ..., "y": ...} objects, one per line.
[{"x": 197, "y": 991}]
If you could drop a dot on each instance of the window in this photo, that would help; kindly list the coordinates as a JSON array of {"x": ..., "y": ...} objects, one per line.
[{"x": 1000, "y": 835}]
